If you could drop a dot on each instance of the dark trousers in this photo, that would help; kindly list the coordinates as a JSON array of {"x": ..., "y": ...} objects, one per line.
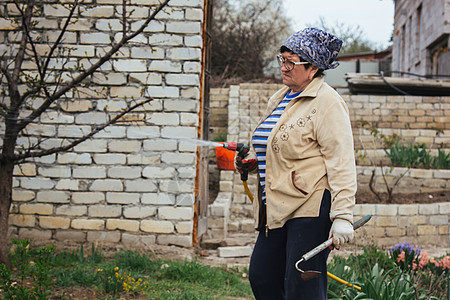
[{"x": 272, "y": 271}]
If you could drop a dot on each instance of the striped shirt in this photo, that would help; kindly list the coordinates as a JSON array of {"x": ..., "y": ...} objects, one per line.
[{"x": 260, "y": 136}]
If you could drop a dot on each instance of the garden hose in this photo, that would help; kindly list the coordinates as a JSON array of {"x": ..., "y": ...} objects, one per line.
[
  {"x": 343, "y": 281},
  {"x": 247, "y": 190}
]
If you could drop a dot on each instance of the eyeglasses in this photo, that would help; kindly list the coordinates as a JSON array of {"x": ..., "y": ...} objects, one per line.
[{"x": 289, "y": 64}]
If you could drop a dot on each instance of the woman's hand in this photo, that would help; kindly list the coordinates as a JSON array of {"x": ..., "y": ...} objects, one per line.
[
  {"x": 247, "y": 164},
  {"x": 342, "y": 232}
]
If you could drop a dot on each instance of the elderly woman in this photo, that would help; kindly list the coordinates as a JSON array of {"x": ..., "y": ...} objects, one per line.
[{"x": 307, "y": 174}]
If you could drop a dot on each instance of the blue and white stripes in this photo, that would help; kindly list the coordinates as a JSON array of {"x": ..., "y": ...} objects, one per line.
[{"x": 260, "y": 136}]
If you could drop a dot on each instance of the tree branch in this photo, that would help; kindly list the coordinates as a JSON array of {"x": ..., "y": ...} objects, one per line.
[
  {"x": 89, "y": 71},
  {"x": 21, "y": 156}
]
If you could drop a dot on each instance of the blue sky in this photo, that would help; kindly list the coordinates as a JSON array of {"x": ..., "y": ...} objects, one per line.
[{"x": 375, "y": 17}]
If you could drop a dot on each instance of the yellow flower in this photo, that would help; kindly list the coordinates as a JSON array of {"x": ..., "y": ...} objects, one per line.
[
  {"x": 99, "y": 270},
  {"x": 116, "y": 268}
]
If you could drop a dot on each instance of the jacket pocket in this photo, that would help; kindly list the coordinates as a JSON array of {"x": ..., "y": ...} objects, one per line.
[{"x": 299, "y": 183}]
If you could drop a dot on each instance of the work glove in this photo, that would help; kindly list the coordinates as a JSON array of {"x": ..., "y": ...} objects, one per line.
[
  {"x": 248, "y": 164},
  {"x": 342, "y": 232}
]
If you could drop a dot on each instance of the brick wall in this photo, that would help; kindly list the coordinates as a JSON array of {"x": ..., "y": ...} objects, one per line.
[{"x": 132, "y": 183}]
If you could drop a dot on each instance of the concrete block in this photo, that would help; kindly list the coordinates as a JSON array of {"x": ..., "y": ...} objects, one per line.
[
  {"x": 177, "y": 186},
  {"x": 110, "y": 159},
  {"x": 138, "y": 240},
  {"x": 163, "y": 91},
  {"x": 70, "y": 235},
  {"x": 88, "y": 224},
  {"x": 181, "y": 106},
  {"x": 125, "y": 172},
  {"x": 158, "y": 199},
  {"x": 429, "y": 209},
  {"x": 237, "y": 251},
  {"x": 166, "y": 66},
  {"x": 142, "y": 132},
  {"x": 156, "y": 226},
  {"x": 122, "y": 198},
  {"x": 87, "y": 197},
  {"x": 139, "y": 212},
  {"x": 126, "y": 225},
  {"x": 25, "y": 170},
  {"x": 106, "y": 185},
  {"x": 35, "y": 234},
  {"x": 175, "y": 213},
  {"x": 426, "y": 230},
  {"x": 71, "y": 210},
  {"x": 104, "y": 211},
  {"x": 92, "y": 118},
  {"x": 22, "y": 220},
  {"x": 408, "y": 209},
  {"x": 34, "y": 208},
  {"x": 96, "y": 146},
  {"x": 48, "y": 222},
  {"x": 140, "y": 185},
  {"x": 70, "y": 184},
  {"x": 52, "y": 197},
  {"x": 37, "y": 183},
  {"x": 184, "y": 227},
  {"x": 22, "y": 196},
  {"x": 103, "y": 236},
  {"x": 74, "y": 158},
  {"x": 386, "y": 221},
  {"x": 177, "y": 240},
  {"x": 89, "y": 172},
  {"x": 159, "y": 172}
]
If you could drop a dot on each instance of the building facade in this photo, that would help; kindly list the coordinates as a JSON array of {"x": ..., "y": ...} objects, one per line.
[{"x": 421, "y": 38}]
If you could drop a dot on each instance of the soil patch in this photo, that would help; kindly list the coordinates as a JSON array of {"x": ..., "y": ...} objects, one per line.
[{"x": 367, "y": 197}]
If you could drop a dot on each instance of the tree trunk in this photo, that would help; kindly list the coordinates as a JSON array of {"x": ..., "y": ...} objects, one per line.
[{"x": 6, "y": 179}]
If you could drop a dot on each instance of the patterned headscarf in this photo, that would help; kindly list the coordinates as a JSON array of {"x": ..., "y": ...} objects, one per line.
[{"x": 316, "y": 46}]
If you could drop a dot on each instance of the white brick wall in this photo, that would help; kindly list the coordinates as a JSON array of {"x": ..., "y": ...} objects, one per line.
[{"x": 134, "y": 181}]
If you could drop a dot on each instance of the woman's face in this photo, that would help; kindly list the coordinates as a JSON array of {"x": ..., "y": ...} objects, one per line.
[{"x": 299, "y": 77}]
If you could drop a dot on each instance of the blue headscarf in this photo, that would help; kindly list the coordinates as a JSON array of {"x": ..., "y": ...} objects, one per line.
[{"x": 315, "y": 46}]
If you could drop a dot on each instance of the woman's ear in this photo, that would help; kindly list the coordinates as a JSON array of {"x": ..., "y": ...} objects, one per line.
[{"x": 312, "y": 71}]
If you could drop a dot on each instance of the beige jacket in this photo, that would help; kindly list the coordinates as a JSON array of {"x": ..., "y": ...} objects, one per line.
[{"x": 310, "y": 149}]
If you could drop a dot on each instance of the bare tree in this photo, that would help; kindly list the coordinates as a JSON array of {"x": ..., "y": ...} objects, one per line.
[
  {"x": 246, "y": 36},
  {"x": 26, "y": 95},
  {"x": 353, "y": 36}
]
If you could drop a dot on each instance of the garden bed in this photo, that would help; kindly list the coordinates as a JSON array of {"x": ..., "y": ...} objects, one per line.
[{"x": 367, "y": 197}]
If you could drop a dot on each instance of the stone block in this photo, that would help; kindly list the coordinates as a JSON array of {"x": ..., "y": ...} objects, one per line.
[
  {"x": 71, "y": 210},
  {"x": 22, "y": 220},
  {"x": 126, "y": 225},
  {"x": 87, "y": 197},
  {"x": 158, "y": 199},
  {"x": 89, "y": 172},
  {"x": 236, "y": 251},
  {"x": 55, "y": 172},
  {"x": 177, "y": 240},
  {"x": 106, "y": 185},
  {"x": 25, "y": 169},
  {"x": 184, "y": 53},
  {"x": 103, "y": 236},
  {"x": 408, "y": 209},
  {"x": 94, "y": 38},
  {"x": 110, "y": 159},
  {"x": 48, "y": 222},
  {"x": 439, "y": 220},
  {"x": 444, "y": 208},
  {"x": 35, "y": 208},
  {"x": 159, "y": 172},
  {"x": 138, "y": 240},
  {"x": 70, "y": 235},
  {"x": 184, "y": 227},
  {"x": 37, "y": 183},
  {"x": 426, "y": 230},
  {"x": 70, "y": 184},
  {"x": 140, "y": 185},
  {"x": 156, "y": 226},
  {"x": 122, "y": 198},
  {"x": 125, "y": 172},
  {"x": 177, "y": 186},
  {"x": 104, "y": 211},
  {"x": 389, "y": 221},
  {"x": 429, "y": 209},
  {"x": 76, "y": 105},
  {"x": 94, "y": 145},
  {"x": 52, "y": 197},
  {"x": 22, "y": 196},
  {"x": 91, "y": 118},
  {"x": 88, "y": 224},
  {"x": 142, "y": 132},
  {"x": 394, "y": 231},
  {"x": 139, "y": 212},
  {"x": 72, "y": 131},
  {"x": 74, "y": 158},
  {"x": 175, "y": 213},
  {"x": 35, "y": 234}
]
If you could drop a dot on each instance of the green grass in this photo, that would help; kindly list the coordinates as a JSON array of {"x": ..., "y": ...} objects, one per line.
[{"x": 126, "y": 275}]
